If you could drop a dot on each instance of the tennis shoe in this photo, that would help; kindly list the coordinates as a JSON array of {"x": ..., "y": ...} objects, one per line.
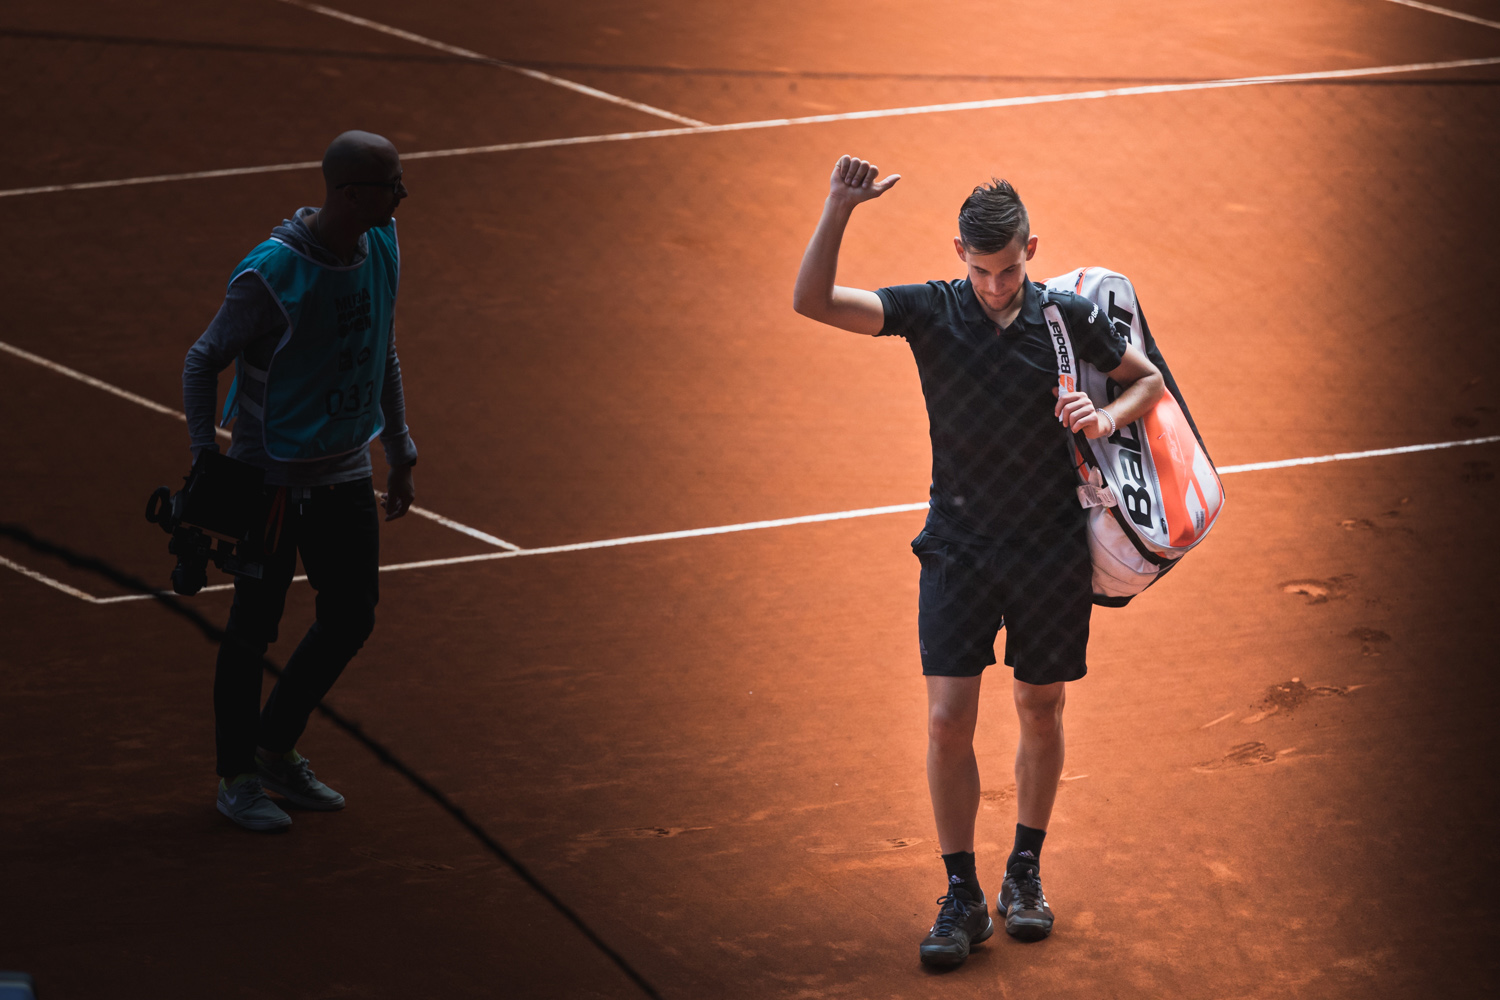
[
  {"x": 1024, "y": 905},
  {"x": 247, "y": 804},
  {"x": 295, "y": 781},
  {"x": 961, "y": 923}
]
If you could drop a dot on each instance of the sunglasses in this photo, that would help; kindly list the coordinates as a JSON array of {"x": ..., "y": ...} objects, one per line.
[{"x": 394, "y": 187}]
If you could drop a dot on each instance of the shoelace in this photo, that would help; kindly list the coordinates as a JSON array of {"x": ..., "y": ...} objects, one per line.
[
  {"x": 301, "y": 772},
  {"x": 955, "y": 910},
  {"x": 1029, "y": 893}
]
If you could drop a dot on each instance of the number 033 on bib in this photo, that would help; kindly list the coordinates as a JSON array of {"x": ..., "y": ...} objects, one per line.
[{"x": 1151, "y": 491}]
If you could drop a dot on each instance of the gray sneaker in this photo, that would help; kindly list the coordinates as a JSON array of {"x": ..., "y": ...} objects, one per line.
[
  {"x": 246, "y": 803},
  {"x": 297, "y": 783},
  {"x": 1028, "y": 917}
]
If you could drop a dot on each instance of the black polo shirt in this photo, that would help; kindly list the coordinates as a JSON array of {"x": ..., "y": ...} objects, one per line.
[{"x": 1001, "y": 469}]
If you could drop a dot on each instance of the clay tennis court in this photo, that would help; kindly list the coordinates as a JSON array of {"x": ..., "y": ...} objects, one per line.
[{"x": 1281, "y": 771}]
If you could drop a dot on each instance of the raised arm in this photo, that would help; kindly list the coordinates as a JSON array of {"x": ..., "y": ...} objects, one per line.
[{"x": 816, "y": 296}]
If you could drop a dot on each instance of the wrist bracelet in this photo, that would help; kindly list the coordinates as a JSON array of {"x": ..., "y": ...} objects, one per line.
[{"x": 1112, "y": 425}]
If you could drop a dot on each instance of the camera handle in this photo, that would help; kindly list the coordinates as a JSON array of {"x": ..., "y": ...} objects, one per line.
[{"x": 158, "y": 508}]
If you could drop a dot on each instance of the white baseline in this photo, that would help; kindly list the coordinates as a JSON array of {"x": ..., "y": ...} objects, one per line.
[{"x": 924, "y": 109}]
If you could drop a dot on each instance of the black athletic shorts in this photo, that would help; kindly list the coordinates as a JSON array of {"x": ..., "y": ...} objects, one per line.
[{"x": 1040, "y": 590}]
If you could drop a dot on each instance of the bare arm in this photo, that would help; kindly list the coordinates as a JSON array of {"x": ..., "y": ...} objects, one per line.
[
  {"x": 816, "y": 296},
  {"x": 1143, "y": 386}
]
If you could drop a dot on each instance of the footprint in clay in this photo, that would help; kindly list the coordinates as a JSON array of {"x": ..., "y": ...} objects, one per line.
[
  {"x": 1369, "y": 639},
  {"x": 1251, "y": 754},
  {"x": 1288, "y": 696},
  {"x": 1382, "y": 523},
  {"x": 871, "y": 847},
  {"x": 1319, "y": 591}
]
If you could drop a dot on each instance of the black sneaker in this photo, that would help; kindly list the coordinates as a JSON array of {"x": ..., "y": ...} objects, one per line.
[
  {"x": 961, "y": 922},
  {"x": 294, "y": 780},
  {"x": 1024, "y": 905}
]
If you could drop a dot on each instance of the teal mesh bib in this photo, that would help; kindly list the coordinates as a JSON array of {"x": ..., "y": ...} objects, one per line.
[{"x": 322, "y": 386}]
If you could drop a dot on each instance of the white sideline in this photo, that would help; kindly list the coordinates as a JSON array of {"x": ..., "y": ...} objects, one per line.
[
  {"x": 925, "y": 109},
  {"x": 89, "y": 380},
  {"x": 156, "y": 407},
  {"x": 448, "y": 522},
  {"x": 724, "y": 529},
  {"x": 1345, "y": 456},
  {"x": 1448, "y": 13},
  {"x": 54, "y": 584},
  {"x": 556, "y": 81}
]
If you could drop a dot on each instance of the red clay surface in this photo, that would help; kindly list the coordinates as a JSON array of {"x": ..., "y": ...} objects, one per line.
[{"x": 713, "y": 747}]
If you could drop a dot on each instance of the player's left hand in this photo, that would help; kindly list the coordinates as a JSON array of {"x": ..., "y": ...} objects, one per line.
[
  {"x": 400, "y": 492},
  {"x": 1076, "y": 412}
]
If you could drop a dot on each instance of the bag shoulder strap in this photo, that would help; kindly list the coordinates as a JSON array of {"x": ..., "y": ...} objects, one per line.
[
  {"x": 1092, "y": 492},
  {"x": 1062, "y": 346}
]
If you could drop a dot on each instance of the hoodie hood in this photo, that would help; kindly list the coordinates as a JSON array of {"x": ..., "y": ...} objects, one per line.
[{"x": 295, "y": 234}]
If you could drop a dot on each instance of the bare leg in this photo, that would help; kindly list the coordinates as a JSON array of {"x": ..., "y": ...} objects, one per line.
[
  {"x": 952, "y": 771},
  {"x": 1039, "y": 752}
]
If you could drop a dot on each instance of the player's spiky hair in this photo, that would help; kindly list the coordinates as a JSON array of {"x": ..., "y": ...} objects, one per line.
[{"x": 992, "y": 216}]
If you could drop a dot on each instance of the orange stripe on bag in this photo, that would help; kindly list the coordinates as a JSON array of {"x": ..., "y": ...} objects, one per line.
[{"x": 1174, "y": 449}]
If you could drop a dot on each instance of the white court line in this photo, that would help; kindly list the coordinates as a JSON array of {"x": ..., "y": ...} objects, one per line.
[
  {"x": 156, "y": 407},
  {"x": 300, "y": 578},
  {"x": 662, "y": 536},
  {"x": 841, "y": 515},
  {"x": 448, "y": 522},
  {"x": 1345, "y": 456},
  {"x": 196, "y": 175},
  {"x": 1448, "y": 13},
  {"x": 925, "y": 109},
  {"x": 606, "y": 543},
  {"x": 556, "y": 81},
  {"x": 113, "y": 390},
  {"x": 54, "y": 584}
]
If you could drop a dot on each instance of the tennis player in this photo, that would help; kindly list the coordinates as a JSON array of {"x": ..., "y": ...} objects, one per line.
[{"x": 1004, "y": 543}]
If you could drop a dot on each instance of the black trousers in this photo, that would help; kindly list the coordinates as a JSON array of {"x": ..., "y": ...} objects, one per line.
[{"x": 337, "y": 531}]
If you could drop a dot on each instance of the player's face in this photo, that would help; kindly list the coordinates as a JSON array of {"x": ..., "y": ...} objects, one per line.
[{"x": 997, "y": 277}]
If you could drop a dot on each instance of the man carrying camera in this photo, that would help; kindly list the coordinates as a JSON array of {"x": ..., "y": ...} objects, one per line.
[{"x": 307, "y": 323}]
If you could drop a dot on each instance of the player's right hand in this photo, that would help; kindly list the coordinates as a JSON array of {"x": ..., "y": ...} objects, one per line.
[{"x": 854, "y": 181}]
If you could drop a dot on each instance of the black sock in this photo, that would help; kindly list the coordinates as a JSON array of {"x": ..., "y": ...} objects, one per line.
[
  {"x": 960, "y": 865},
  {"x": 1028, "y": 849}
]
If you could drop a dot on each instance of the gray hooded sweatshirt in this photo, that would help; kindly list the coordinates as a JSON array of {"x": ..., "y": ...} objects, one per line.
[{"x": 251, "y": 322}]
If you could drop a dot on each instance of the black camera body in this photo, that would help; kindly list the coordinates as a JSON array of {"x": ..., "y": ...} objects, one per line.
[{"x": 212, "y": 518}]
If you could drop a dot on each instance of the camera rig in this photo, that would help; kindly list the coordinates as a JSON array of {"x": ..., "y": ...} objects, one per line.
[{"x": 213, "y": 517}]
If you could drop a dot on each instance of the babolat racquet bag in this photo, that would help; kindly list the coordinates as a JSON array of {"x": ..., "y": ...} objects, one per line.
[{"x": 1150, "y": 489}]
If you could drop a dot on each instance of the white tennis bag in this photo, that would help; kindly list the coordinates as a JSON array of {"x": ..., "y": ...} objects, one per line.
[{"x": 1151, "y": 491}]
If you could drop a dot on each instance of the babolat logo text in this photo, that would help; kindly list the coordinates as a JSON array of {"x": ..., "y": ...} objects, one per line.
[{"x": 1064, "y": 362}]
